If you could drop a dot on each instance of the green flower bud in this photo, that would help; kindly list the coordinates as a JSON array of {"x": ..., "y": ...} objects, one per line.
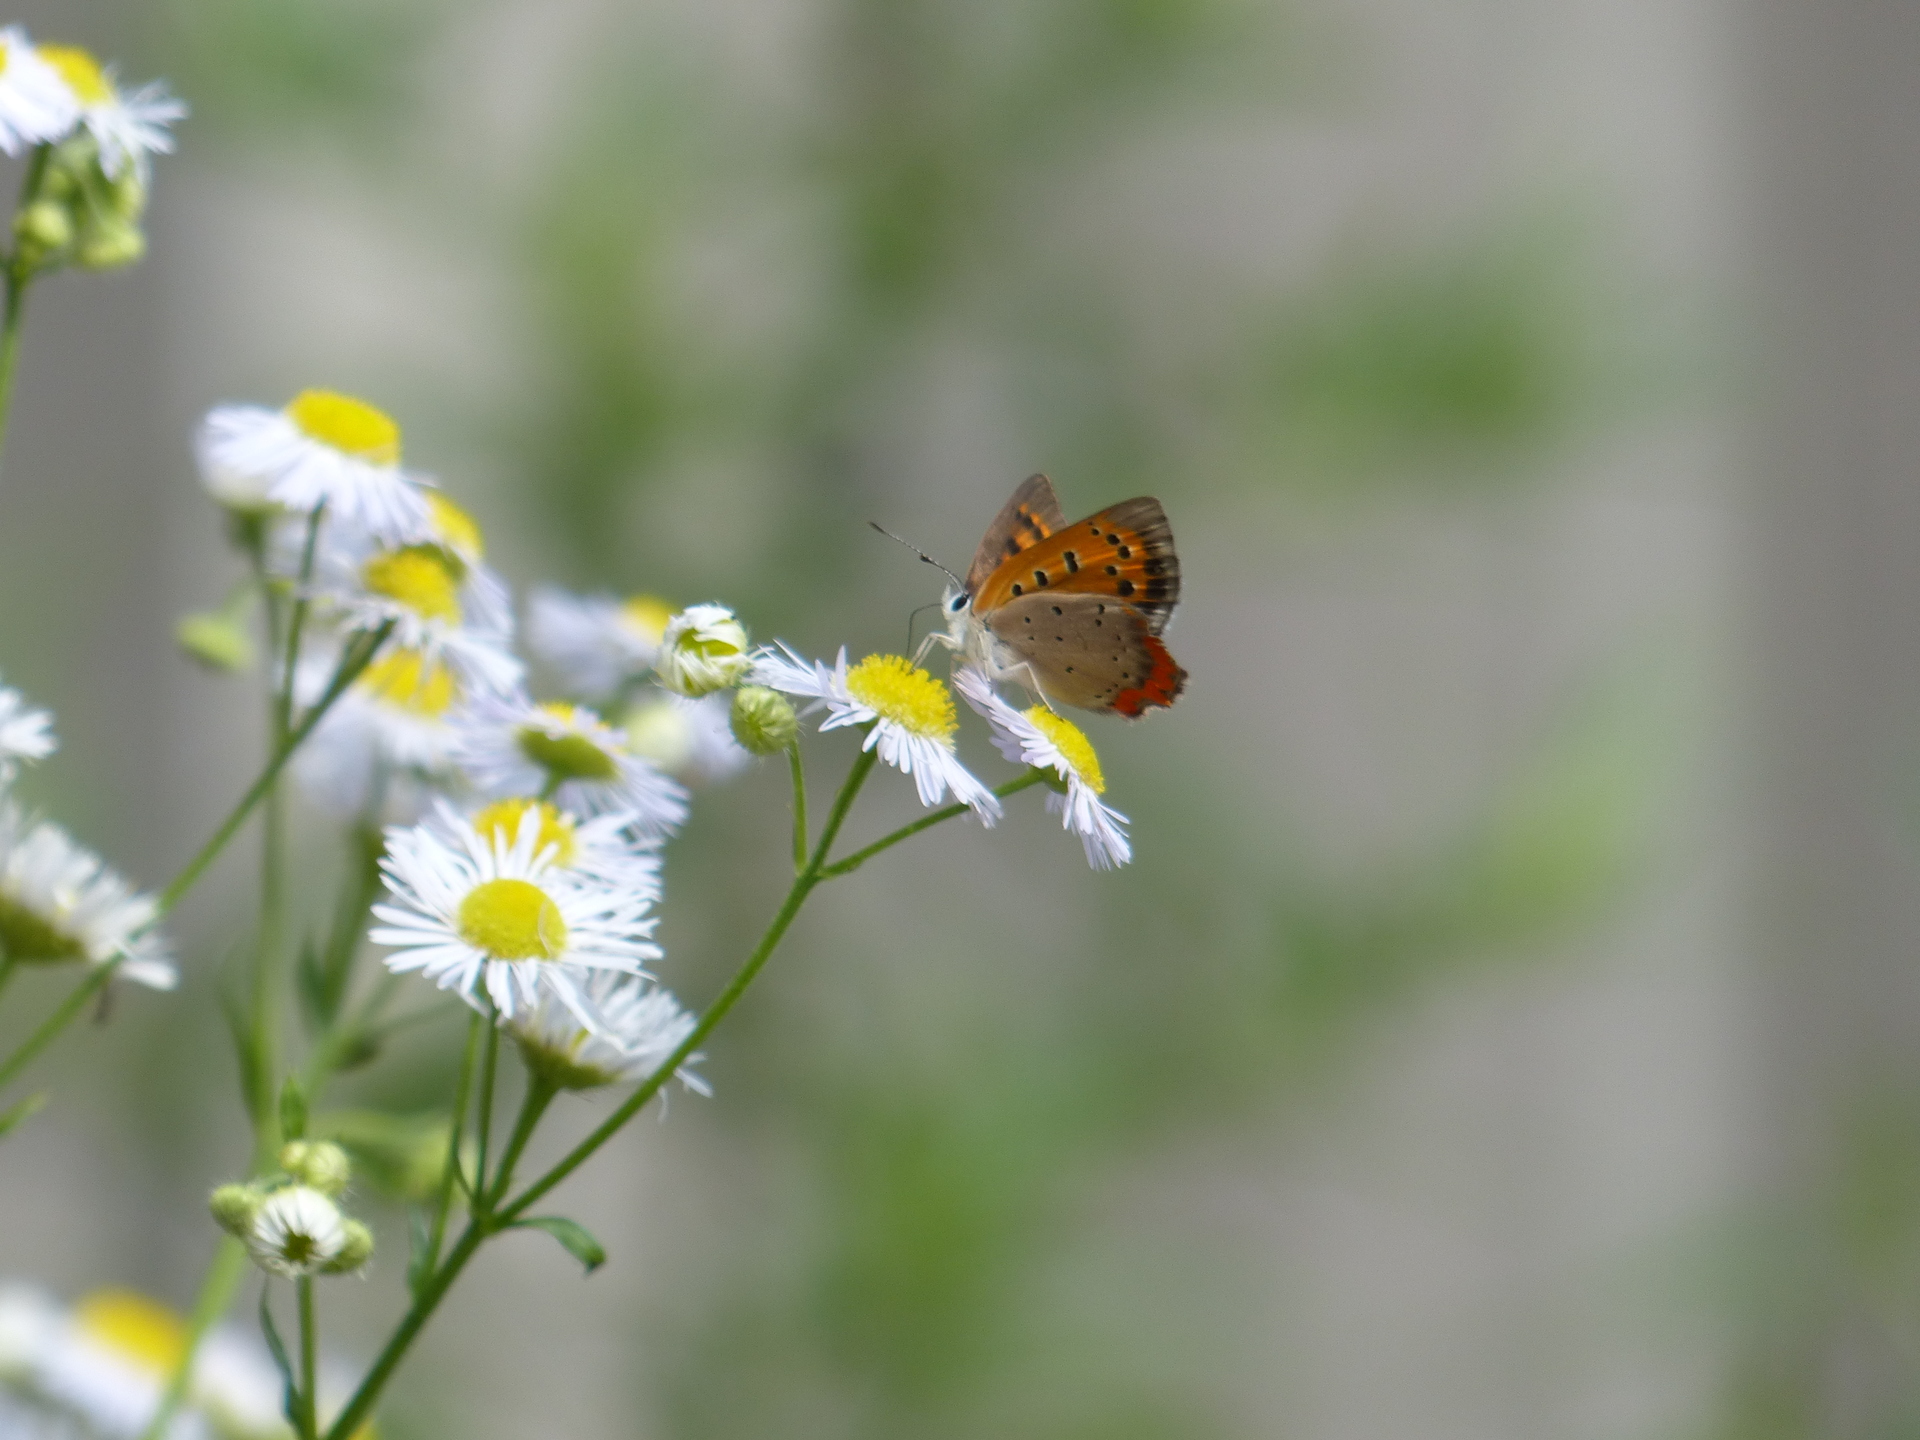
[
  {"x": 43, "y": 228},
  {"x": 319, "y": 1163},
  {"x": 216, "y": 641},
  {"x": 126, "y": 197},
  {"x": 234, "y": 1208},
  {"x": 763, "y": 720},
  {"x": 355, "y": 1250},
  {"x": 110, "y": 246},
  {"x": 704, "y": 649}
]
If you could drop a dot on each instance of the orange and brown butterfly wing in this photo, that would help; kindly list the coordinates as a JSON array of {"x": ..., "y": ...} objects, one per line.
[
  {"x": 1125, "y": 553},
  {"x": 1089, "y": 651},
  {"x": 1029, "y": 517}
]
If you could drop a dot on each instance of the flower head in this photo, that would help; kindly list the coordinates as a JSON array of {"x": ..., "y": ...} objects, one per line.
[
  {"x": 387, "y": 739},
  {"x": 60, "y": 903},
  {"x": 36, "y": 104},
  {"x": 511, "y": 746},
  {"x": 323, "y": 448},
  {"x": 1040, "y": 738},
  {"x": 638, "y": 1027},
  {"x": 594, "y": 644},
  {"x": 298, "y": 1230},
  {"x": 500, "y": 922},
  {"x": 704, "y": 649},
  {"x": 910, "y": 712},
  {"x": 25, "y": 733},
  {"x": 597, "y": 848},
  {"x": 130, "y": 128}
]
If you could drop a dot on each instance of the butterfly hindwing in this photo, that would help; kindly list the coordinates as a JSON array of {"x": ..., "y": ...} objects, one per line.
[
  {"x": 1028, "y": 518},
  {"x": 1124, "y": 553},
  {"x": 1088, "y": 651}
]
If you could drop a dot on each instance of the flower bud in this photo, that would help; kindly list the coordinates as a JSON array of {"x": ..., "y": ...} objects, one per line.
[
  {"x": 703, "y": 650},
  {"x": 110, "y": 246},
  {"x": 296, "y": 1231},
  {"x": 355, "y": 1249},
  {"x": 234, "y": 1208},
  {"x": 763, "y": 720},
  {"x": 43, "y": 228},
  {"x": 215, "y": 640},
  {"x": 319, "y": 1163}
]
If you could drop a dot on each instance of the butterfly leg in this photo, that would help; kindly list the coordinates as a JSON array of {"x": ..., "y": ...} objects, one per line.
[{"x": 931, "y": 639}]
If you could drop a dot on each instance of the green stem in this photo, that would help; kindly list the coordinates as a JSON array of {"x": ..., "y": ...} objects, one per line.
[
  {"x": 357, "y": 658},
  {"x": 223, "y": 1278},
  {"x": 283, "y": 710},
  {"x": 51, "y": 1027},
  {"x": 796, "y": 897},
  {"x": 480, "y": 1226},
  {"x": 443, "y": 1205},
  {"x": 483, "y": 1123},
  {"x": 926, "y": 822},
  {"x": 532, "y": 1106},
  {"x": 799, "y": 805},
  {"x": 18, "y": 276},
  {"x": 309, "y": 1361}
]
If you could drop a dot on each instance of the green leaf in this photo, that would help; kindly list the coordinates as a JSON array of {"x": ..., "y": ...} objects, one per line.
[
  {"x": 419, "y": 1237},
  {"x": 253, "y": 1079},
  {"x": 570, "y": 1233},
  {"x": 25, "y": 1110},
  {"x": 290, "y": 1389},
  {"x": 293, "y": 1109}
]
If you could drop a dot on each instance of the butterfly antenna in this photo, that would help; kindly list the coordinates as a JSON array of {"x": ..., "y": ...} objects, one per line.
[
  {"x": 918, "y": 551},
  {"x": 913, "y": 615}
]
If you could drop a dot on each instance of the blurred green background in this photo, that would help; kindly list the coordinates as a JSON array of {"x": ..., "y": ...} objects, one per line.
[{"x": 1504, "y": 1029}]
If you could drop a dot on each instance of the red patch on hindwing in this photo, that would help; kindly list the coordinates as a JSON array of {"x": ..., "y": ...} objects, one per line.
[{"x": 1162, "y": 686}]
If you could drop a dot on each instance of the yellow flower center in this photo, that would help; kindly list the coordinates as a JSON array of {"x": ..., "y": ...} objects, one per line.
[
  {"x": 500, "y": 823},
  {"x": 350, "y": 426},
  {"x": 897, "y": 690},
  {"x": 1073, "y": 745},
  {"x": 80, "y": 70},
  {"x": 408, "y": 681},
  {"x": 512, "y": 920},
  {"x": 418, "y": 577},
  {"x": 456, "y": 529},
  {"x": 569, "y": 755},
  {"x": 135, "y": 1328},
  {"x": 29, "y": 937},
  {"x": 647, "y": 616}
]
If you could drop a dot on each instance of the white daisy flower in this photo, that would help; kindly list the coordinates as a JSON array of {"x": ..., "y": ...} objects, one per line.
[
  {"x": 59, "y": 902},
  {"x": 441, "y": 598},
  {"x": 323, "y": 448},
  {"x": 297, "y": 1231},
  {"x": 485, "y": 915},
  {"x": 36, "y": 105},
  {"x": 691, "y": 740},
  {"x": 598, "y": 849},
  {"x": 25, "y": 733},
  {"x": 1048, "y": 741},
  {"x": 511, "y": 746},
  {"x": 107, "y": 1364},
  {"x": 594, "y": 644},
  {"x": 129, "y": 128},
  {"x": 911, "y": 713},
  {"x": 387, "y": 741},
  {"x": 704, "y": 649},
  {"x": 639, "y": 1026}
]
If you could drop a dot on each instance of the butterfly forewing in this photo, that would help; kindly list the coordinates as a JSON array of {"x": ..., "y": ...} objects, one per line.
[
  {"x": 1088, "y": 651},
  {"x": 1125, "y": 553},
  {"x": 1028, "y": 518}
]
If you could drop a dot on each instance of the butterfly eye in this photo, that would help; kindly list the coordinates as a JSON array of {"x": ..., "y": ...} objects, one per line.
[{"x": 957, "y": 604}]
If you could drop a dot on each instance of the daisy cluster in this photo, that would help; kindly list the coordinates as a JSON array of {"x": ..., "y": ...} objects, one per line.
[
  {"x": 85, "y": 202},
  {"x": 59, "y": 902},
  {"x": 99, "y": 1368}
]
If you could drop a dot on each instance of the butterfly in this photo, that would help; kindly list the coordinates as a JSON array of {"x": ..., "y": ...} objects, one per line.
[{"x": 1072, "y": 612}]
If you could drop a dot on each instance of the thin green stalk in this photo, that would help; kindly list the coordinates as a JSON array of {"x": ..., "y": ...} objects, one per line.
[
  {"x": 428, "y": 1298},
  {"x": 357, "y": 658},
  {"x": 18, "y": 276},
  {"x": 799, "y": 805},
  {"x": 926, "y": 822},
  {"x": 309, "y": 1360},
  {"x": 796, "y": 897},
  {"x": 283, "y": 710},
  {"x": 532, "y": 1106},
  {"x": 483, "y": 1122},
  {"x": 223, "y": 1278},
  {"x": 50, "y": 1028},
  {"x": 443, "y": 1205}
]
